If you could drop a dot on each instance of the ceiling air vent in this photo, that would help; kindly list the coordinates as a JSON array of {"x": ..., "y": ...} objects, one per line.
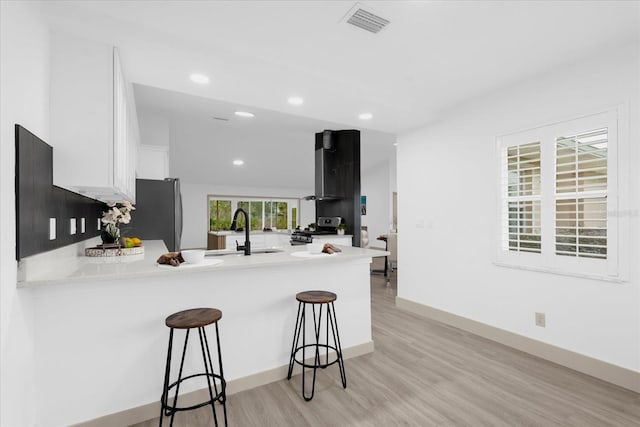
[{"x": 365, "y": 19}]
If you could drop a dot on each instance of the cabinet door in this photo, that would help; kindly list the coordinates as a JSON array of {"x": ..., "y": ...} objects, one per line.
[
  {"x": 271, "y": 240},
  {"x": 133, "y": 142},
  {"x": 120, "y": 127},
  {"x": 284, "y": 240},
  {"x": 93, "y": 121},
  {"x": 82, "y": 114}
]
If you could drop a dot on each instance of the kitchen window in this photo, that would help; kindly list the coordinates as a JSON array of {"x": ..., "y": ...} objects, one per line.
[
  {"x": 559, "y": 197},
  {"x": 280, "y": 213},
  {"x": 219, "y": 214}
]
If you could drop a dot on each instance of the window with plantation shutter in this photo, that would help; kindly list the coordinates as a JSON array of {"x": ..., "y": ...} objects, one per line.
[
  {"x": 559, "y": 197},
  {"x": 523, "y": 197},
  {"x": 581, "y": 194}
]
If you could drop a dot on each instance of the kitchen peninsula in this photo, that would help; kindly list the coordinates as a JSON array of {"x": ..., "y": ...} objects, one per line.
[{"x": 99, "y": 323}]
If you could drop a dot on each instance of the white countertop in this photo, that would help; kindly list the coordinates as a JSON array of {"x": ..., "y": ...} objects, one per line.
[{"x": 86, "y": 269}]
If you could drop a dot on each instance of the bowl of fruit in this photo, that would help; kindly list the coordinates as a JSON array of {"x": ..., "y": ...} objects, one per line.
[
  {"x": 125, "y": 246},
  {"x": 130, "y": 242}
]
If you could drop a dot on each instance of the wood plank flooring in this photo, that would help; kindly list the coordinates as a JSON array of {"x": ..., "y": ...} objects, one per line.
[{"x": 424, "y": 373}]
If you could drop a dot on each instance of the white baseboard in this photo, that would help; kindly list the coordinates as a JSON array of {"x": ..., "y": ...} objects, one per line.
[
  {"x": 152, "y": 410},
  {"x": 613, "y": 374}
]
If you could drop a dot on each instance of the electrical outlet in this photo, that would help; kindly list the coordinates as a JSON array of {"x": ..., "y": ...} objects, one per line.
[
  {"x": 541, "y": 320},
  {"x": 52, "y": 229},
  {"x": 72, "y": 226},
  {"x": 82, "y": 225}
]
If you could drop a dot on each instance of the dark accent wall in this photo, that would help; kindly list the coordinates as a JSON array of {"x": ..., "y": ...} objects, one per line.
[
  {"x": 344, "y": 162},
  {"x": 37, "y": 200}
]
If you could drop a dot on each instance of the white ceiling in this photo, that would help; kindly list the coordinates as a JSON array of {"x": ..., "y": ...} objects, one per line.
[
  {"x": 277, "y": 148},
  {"x": 432, "y": 57}
]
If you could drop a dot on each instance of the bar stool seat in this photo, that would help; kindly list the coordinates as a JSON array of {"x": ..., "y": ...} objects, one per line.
[
  {"x": 316, "y": 297},
  {"x": 324, "y": 299},
  {"x": 187, "y": 320},
  {"x": 193, "y": 318}
]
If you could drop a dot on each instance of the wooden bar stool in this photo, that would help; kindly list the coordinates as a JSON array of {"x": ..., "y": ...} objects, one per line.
[
  {"x": 324, "y": 299},
  {"x": 188, "y": 319}
]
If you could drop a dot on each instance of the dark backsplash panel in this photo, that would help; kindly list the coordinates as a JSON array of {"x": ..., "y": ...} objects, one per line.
[
  {"x": 345, "y": 160},
  {"x": 37, "y": 200}
]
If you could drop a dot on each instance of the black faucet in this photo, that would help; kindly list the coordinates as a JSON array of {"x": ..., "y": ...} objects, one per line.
[{"x": 247, "y": 244}]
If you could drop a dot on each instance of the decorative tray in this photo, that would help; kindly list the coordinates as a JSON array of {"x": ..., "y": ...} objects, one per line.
[{"x": 112, "y": 250}]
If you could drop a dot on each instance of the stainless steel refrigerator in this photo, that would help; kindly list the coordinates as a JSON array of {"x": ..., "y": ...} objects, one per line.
[{"x": 158, "y": 214}]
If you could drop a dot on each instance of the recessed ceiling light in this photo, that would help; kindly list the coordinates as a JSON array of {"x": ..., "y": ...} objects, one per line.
[
  {"x": 365, "y": 116},
  {"x": 295, "y": 100},
  {"x": 244, "y": 114},
  {"x": 395, "y": 144},
  {"x": 238, "y": 162},
  {"x": 201, "y": 79}
]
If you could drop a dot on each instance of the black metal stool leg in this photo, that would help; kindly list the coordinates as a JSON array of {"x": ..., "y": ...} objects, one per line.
[
  {"x": 317, "y": 321},
  {"x": 206, "y": 346},
  {"x": 165, "y": 388},
  {"x": 326, "y": 360},
  {"x": 223, "y": 383},
  {"x": 316, "y": 329},
  {"x": 336, "y": 340},
  {"x": 206, "y": 370},
  {"x": 304, "y": 346},
  {"x": 294, "y": 346},
  {"x": 175, "y": 398}
]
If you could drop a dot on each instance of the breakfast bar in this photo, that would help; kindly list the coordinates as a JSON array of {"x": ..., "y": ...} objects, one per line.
[{"x": 112, "y": 313}]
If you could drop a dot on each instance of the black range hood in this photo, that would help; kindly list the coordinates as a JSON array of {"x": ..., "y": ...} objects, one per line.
[
  {"x": 326, "y": 156},
  {"x": 337, "y": 178}
]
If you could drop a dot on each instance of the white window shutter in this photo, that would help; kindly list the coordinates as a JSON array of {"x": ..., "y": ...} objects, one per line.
[{"x": 559, "y": 197}]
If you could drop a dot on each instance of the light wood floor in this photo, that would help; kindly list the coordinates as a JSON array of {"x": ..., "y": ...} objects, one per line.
[{"x": 424, "y": 373}]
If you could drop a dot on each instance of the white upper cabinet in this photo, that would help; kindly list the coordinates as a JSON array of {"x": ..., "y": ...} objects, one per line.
[{"x": 94, "y": 129}]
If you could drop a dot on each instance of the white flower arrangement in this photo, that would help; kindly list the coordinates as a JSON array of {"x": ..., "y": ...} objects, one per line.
[{"x": 118, "y": 213}]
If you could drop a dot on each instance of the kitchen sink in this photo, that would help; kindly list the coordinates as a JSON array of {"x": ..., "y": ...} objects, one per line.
[
  {"x": 217, "y": 252},
  {"x": 221, "y": 253},
  {"x": 266, "y": 251}
]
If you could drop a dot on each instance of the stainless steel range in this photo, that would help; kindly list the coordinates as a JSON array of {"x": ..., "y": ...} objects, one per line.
[{"x": 325, "y": 225}]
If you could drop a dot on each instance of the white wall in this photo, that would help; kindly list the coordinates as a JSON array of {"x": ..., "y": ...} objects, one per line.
[
  {"x": 154, "y": 128},
  {"x": 196, "y": 216},
  {"x": 152, "y": 162},
  {"x": 24, "y": 85},
  {"x": 447, "y": 182},
  {"x": 153, "y": 150},
  {"x": 376, "y": 186}
]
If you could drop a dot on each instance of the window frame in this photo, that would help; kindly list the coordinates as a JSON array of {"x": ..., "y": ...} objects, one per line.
[
  {"x": 292, "y": 202},
  {"x": 611, "y": 268}
]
